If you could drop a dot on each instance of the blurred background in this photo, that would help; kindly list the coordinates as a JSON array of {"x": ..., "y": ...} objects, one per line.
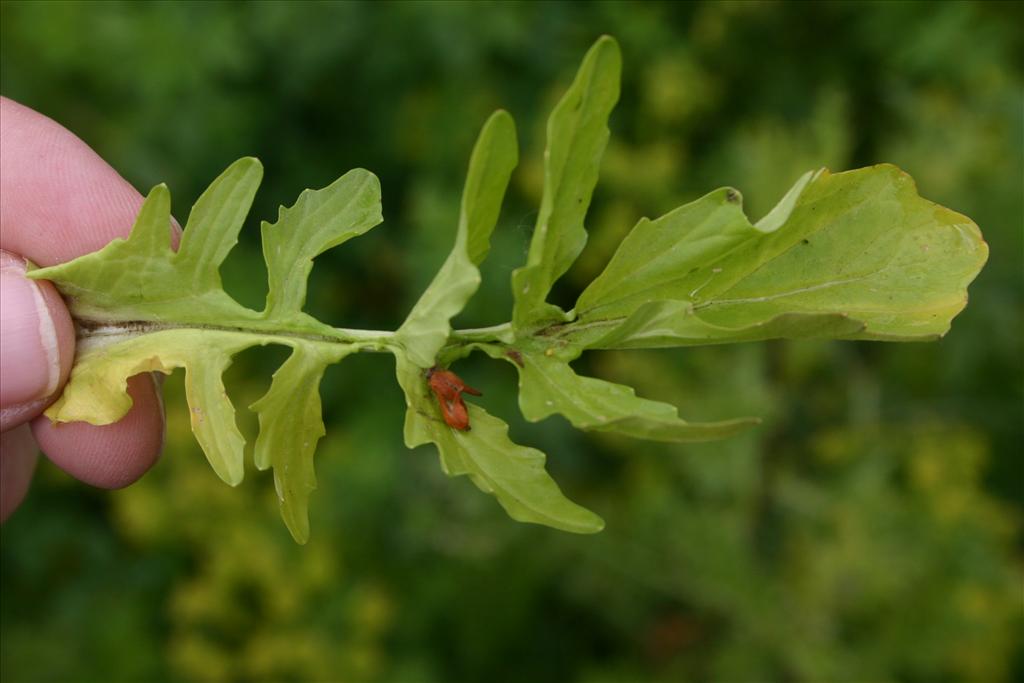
[{"x": 870, "y": 530}]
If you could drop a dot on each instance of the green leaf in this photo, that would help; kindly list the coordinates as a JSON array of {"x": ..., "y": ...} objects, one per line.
[
  {"x": 495, "y": 156},
  {"x": 547, "y": 385},
  {"x": 577, "y": 134},
  {"x": 141, "y": 278},
  {"x": 291, "y": 424},
  {"x": 855, "y": 255},
  {"x": 319, "y": 220},
  {"x": 514, "y": 474},
  {"x": 141, "y": 307},
  {"x": 427, "y": 327},
  {"x": 97, "y": 389},
  {"x": 214, "y": 222}
]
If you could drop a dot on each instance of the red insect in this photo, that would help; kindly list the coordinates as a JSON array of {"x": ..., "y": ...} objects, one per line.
[{"x": 448, "y": 388}]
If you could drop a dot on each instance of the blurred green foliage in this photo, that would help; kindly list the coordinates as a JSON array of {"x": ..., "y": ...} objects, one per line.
[{"x": 870, "y": 530}]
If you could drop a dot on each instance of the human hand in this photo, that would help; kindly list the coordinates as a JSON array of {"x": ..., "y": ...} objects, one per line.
[{"x": 58, "y": 200}]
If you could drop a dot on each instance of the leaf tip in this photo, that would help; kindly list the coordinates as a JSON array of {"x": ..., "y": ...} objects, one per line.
[
  {"x": 299, "y": 535},
  {"x": 502, "y": 115},
  {"x": 605, "y": 51},
  {"x": 591, "y": 523},
  {"x": 370, "y": 175},
  {"x": 610, "y": 47},
  {"x": 248, "y": 165},
  {"x": 374, "y": 183}
]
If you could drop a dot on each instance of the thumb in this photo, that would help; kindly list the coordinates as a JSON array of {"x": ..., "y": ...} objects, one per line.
[{"x": 37, "y": 343}]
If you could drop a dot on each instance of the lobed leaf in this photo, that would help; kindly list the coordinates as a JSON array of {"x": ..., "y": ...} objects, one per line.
[
  {"x": 214, "y": 223},
  {"x": 97, "y": 389},
  {"x": 142, "y": 278},
  {"x": 854, "y": 255},
  {"x": 142, "y": 307},
  {"x": 428, "y": 325},
  {"x": 319, "y": 220},
  {"x": 577, "y": 135},
  {"x": 291, "y": 424},
  {"x": 514, "y": 474}
]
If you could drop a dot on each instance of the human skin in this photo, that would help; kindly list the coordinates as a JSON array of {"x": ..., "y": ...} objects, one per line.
[{"x": 58, "y": 200}]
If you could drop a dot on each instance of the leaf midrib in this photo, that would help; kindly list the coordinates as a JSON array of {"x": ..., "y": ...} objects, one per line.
[{"x": 372, "y": 340}]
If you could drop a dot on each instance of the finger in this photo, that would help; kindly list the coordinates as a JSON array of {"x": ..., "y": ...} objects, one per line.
[
  {"x": 37, "y": 344},
  {"x": 59, "y": 200},
  {"x": 108, "y": 456},
  {"x": 18, "y": 456}
]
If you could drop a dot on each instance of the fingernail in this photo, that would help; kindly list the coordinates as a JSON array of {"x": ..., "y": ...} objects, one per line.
[{"x": 29, "y": 354}]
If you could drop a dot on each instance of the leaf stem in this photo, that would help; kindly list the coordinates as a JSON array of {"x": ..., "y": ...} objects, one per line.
[
  {"x": 117, "y": 330},
  {"x": 500, "y": 332},
  {"x": 367, "y": 340}
]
